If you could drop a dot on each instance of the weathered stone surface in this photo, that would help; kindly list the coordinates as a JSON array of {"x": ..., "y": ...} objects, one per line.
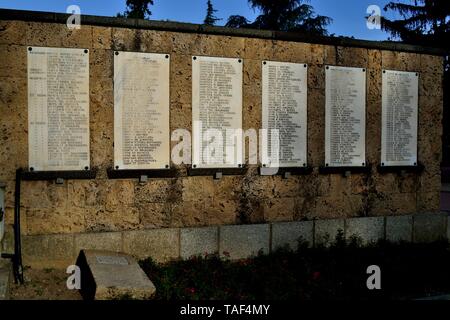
[
  {"x": 325, "y": 231},
  {"x": 160, "y": 244},
  {"x": 429, "y": 227},
  {"x": 99, "y": 219},
  {"x": 243, "y": 241},
  {"x": 280, "y": 209},
  {"x": 155, "y": 215},
  {"x": 368, "y": 229},
  {"x": 110, "y": 276},
  {"x": 352, "y": 57},
  {"x": 399, "y": 228},
  {"x": 188, "y": 214},
  {"x": 5, "y": 278},
  {"x": 197, "y": 188},
  {"x": 55, "y": 220},
  {"x": 11, "y": 32},
  {"x": 14, "y": 61},
  {"x": 431, "y": 64},
  {"x": 198, "y": 241},
  {"x": 402, "y": 61},
  {"x": 48, "y": 250},
  {"x": 290, "y": 233},
  {"x": 220, "y": 212},
  {"x": 101, "y": 37},
  {"x": 111, "y": 241}
]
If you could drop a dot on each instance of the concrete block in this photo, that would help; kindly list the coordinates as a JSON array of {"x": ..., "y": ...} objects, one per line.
[
  {"x": 198, "y": 241},
  {"x": 325, "y": 231},
  {"x": 111, "y": 241},
  {"x": 243, "y": 241},
  {"x": 160, "y": 244},
  {"x": 368, "y": 229},
  {"x": 48, "y": 251},
  {"x": 429, "y": 227},
  {"x": 289, "y": 233},
  {"x": 8, "y": 240},
  {"x": 399, "y": 228},
  {"x": 108, "y": 275},
  {"x": 5, "y": 278}
]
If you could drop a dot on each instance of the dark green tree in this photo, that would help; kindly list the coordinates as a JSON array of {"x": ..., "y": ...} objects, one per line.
[
  {"x": 283, "y": 15},
  {"x": 137, "y": 9},
  {"x": 237, "y": 21},
  {"x": 210, "y": 18},
  {"x": 425, "y": 22}
]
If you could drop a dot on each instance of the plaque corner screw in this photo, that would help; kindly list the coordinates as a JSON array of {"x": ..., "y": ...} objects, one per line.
[
  {"x": 327, "y": 67},
  {"x": 240, "y": 60},
  {"x": 194, "y": 166},
  {"x": 116, "y": 53},
  {"x": 384, "y": 71},
  {"x": 86, "y": 168},
  {"x": 264, "y": 165},
  {"x": 382, "y": 164},
  {"x": 417, "y": 74},
  {"x": 194, "y": 58},
  {"x": 117, "y": 167},
  {"x": 363, "y": 164},
  {"x": 264, "y": 62},
  {"x": 304, "y": 164},
  {"x": 31, "y": 169},
  {"x": 167, "y": 166},
  {"x": 30, "y": 49},
  {"x": 326, "y": 164},
  {"x": 167, "y": 56},
  {"x": 86, "y": 50},
  {"x": 364, "y": 70},
  {"x": 305, "y": 65},
  {"x": 415, "y": 163}
]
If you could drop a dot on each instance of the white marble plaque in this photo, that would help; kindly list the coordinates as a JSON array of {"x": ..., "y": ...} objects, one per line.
[
  {"x": 284, "y": 108},
  {"x": 217, "y": 112},
  {"x": 58, "y": 109},
  {"x": 112, "y": 260},
  {"x": 345, "y": 116},
  {"x": 399, "y": 118},
  {"x": 141, "y": 110}
]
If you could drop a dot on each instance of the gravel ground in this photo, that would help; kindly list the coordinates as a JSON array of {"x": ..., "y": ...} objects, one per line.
[{"x": 45, "y": 284}]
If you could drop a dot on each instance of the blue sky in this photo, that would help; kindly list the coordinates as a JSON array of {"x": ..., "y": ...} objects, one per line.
[{"x": 348, "y": 15}]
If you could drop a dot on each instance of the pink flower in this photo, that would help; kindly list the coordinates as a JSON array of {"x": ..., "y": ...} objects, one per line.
[{"x": 191, "y": 290}]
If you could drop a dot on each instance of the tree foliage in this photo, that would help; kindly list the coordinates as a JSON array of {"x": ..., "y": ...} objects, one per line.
[
  {"x": 137, "y": 9},
  {"x": 283, "y": 15},
  {"x": 425, "y": 22},
  {"x": 210, "y": 18}
]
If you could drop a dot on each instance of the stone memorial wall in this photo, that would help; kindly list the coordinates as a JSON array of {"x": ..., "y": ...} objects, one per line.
[{"x": 135, "y": 107}]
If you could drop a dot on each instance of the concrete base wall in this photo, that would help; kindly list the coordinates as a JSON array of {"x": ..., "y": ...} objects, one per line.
[{"x": 231, "y": 241}]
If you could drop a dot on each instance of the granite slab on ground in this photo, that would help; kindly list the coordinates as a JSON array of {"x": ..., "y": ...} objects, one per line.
[{"x": 107, "y": 275}]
